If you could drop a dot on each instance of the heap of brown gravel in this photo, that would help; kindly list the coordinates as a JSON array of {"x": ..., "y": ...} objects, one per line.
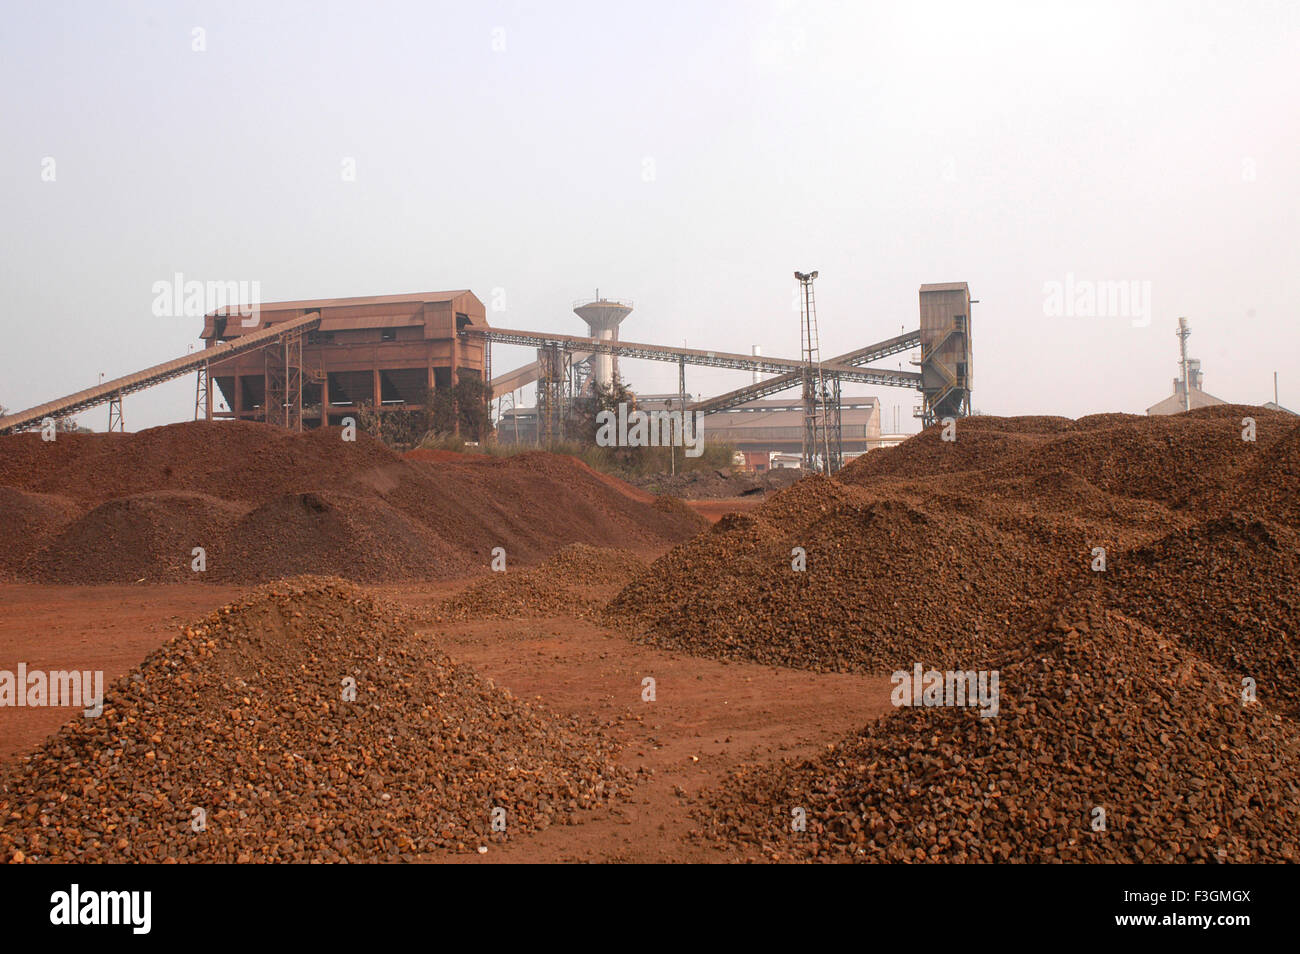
[
  {"x": 562, "y": 585},
  {"x": 1228, "y": 588},
  {"x": 243, "y": 716},
  {"x": 1095, "y": 712},
  {"x": 932, "y": 548},
  {"x": 265, "y": 503}
]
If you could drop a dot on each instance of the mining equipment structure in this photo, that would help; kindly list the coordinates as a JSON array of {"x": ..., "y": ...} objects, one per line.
[
  {"x": 314, "y": 362},
  {"x": 945, "y": 352},
  {"x": 822, "y": 448},
  {"x": 388, "y": 351}
]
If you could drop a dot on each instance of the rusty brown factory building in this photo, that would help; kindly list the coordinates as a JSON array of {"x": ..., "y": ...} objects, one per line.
[{"x": 385, "y": 350}]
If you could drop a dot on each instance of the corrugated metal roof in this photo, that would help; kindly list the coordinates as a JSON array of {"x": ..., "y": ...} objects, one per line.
[{"x": 319, "y": 303}]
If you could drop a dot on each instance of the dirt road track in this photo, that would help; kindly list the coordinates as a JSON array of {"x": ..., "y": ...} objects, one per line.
[{"x": 708, "y": 717}]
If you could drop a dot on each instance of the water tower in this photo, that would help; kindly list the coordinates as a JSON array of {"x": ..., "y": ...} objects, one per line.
[{"x": 603, "y": 316}]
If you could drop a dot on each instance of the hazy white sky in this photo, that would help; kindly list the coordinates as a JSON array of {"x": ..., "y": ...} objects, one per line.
[{"x": 686, "y": 155}]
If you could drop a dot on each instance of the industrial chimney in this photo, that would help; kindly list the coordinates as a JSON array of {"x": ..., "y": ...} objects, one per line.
[
  {"x": 603, "y": 316},
  {"x": 1183, "y": 333}
]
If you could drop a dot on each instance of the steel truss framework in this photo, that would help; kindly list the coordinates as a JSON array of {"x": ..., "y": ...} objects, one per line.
[
  {"x": 115, "y": 419},
  {"x": 882, "y": 349},
  {"x": 712, "y": 359},
  {"x": 112, "y": 392},
  {"x": 815, "y": 444},
  {"x": 284, "y": 383},
  {"x": 203, "y": 394},
  {"x": 842, "y": 368},
  {"x": 554, "y": 392},
  {"x": 834, "y": 431}
]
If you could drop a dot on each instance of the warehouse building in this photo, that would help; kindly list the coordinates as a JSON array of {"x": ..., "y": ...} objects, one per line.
[
  {"x": 1185, "y": 398},
  {"x": 764, "y": 430}
]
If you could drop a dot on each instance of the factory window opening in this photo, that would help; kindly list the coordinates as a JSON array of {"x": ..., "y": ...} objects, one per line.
[{"x": 388, "y": 334}]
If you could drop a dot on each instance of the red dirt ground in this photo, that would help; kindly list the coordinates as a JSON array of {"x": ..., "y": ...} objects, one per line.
[
  {"x": 721, "y": 714},
  {"x": 707, "y": 719},
  {"x": 109, "y": 628}
]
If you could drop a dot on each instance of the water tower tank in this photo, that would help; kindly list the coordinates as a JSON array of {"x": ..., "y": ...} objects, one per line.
[{"x": 603, "y": 316}]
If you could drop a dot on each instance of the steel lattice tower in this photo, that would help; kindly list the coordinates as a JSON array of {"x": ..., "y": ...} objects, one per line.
[
  {"x": 816, "y": 438},
  {"x": 554, "y": 395}
]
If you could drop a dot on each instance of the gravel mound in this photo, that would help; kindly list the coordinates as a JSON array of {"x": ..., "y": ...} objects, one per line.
[
  {"x": 884, "y": 582},
  {"x": 332, "y": 533},
  {"x": 243, "y": 716},
  {"x": 583, "y": 565},
  {"x": 1096, "y": 711},
  {"x": 554, "y": 588},
  {"x": 931, "y": 549},
  {"x": 1125, "y": 455},
  {"x": 31, "y": 520},
  {"x": 1267, "y": 484},
  {"x": 149, "y": 536},
  {"x": 266, "y": 503},
  {"x": 1229, "y": 588},
  {"x": 676, "y": 507}
]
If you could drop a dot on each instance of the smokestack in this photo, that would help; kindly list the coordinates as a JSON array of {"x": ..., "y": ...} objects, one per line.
[{"x": 1183, "y": 332}]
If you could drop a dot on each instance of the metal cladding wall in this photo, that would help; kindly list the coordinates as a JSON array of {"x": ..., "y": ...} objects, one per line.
[
  {"x": 386, "y": 350},
  {"x": 781, "y": 429},
  {"x": 946, "y": 365}
]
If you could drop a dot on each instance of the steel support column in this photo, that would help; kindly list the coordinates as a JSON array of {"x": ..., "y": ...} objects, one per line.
[
  {"x": 203, "y": 394},
  {"x": 284, "y": 383},
  {"x": 115, "y": 420}
]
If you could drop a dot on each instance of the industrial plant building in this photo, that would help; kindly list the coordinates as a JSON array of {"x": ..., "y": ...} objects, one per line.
[
  {"x": 1184, "y": 399},
  {"x": 761, "y": 429},
  {"x": 1187, "y": 394},
  {"x": 310, "y": 363},
  {"x": 946, "y": 369},
  {"x": 388, "y": 351}
]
